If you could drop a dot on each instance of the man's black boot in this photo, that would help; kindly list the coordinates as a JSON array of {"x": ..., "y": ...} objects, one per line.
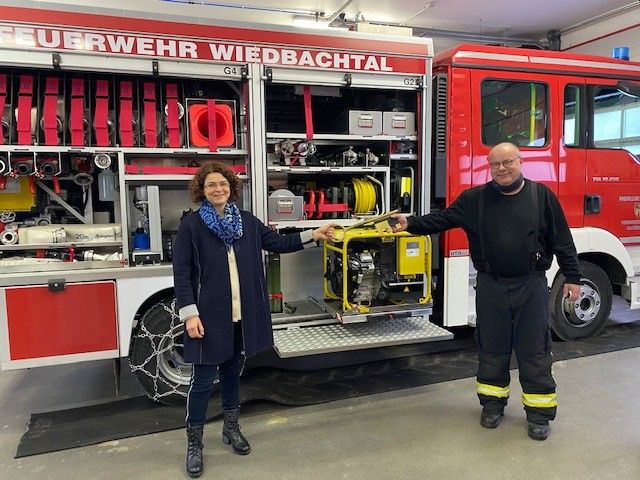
[
  {"x": 490, "y": 419},
  {"x": 231, "y": 432},
  {"x": 194, "y": 451},
  {"x": 538, "y": 431}
]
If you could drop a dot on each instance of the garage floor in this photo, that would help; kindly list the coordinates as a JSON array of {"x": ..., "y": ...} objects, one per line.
[{"x": 425, "y": 432}]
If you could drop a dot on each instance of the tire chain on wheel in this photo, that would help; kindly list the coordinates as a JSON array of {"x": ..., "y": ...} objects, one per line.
[{"x": 163, "y": 390}]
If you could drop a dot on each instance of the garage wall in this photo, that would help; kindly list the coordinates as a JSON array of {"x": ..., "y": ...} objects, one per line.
[
  {"x": 602, "y": 37},
  {"x": 440, "y": 44}
]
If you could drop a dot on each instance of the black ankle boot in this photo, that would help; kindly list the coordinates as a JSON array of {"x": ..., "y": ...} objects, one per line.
[
  {"x": 194, "y": 451},
  {"x": 490, "y": 419},
  {"x": 537, "y": 431},
  {"x": 231, "y": 432}
]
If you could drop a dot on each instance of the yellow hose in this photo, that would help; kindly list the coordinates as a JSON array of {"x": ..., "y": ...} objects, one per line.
[
  {"x": 358, "y": 195},
  {"x": 532, "y": 115},
  {"x": 370, "y": 196},
  {"x": 365, "y": 196}
]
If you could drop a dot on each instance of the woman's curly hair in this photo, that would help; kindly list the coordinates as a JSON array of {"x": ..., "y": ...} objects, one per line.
[{"x": 196, "y": 185}]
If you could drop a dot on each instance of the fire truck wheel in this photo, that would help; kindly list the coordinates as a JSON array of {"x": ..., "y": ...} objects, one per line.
[
  {"x": 156, "y": 355},
  {"x": 587, "y": 316}
]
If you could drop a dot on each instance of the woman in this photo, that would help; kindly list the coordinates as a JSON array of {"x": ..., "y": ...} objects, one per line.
[{"x": 222, "y": 298}]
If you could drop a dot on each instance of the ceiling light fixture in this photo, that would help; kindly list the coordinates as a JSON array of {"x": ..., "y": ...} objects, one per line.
[
  {"x": 318, "y": 20},
  {"x": 304, "y": 21}
]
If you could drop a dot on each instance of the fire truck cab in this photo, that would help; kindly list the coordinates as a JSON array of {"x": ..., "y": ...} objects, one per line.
[{"x": 575, "y": 120}]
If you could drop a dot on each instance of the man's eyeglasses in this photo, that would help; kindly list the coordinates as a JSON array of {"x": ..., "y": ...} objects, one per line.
[{"x": 505, "y": 163}]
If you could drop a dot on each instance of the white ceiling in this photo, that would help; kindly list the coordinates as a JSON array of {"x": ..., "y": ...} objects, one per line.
[
  {"x": 510, "y": 18},
  {"x": 528, "y": 18}
]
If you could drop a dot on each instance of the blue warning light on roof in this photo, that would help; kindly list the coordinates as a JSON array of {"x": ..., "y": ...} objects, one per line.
[{"x": 621, "y": 53}]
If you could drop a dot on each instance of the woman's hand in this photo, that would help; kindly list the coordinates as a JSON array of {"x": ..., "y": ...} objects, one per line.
[
  {"x": 323, "y": 233},
  {"x": 194, "y": 327}
]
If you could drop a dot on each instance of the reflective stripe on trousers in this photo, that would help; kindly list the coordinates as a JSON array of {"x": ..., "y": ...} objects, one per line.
[
  {"x": 492, "y": 390},
  {"x": 540, "y": 400}
]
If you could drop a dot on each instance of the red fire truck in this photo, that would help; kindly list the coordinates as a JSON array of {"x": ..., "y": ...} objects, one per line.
[{"x": 105, "y": 119}]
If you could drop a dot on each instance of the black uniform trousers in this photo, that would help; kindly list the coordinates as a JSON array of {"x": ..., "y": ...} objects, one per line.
[{"x": 512, "y": 314}]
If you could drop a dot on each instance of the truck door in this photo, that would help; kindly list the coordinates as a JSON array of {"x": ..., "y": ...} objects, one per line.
[
  {"x": 515, "y": 107},
  {"x": 612, "y": 197},
  {"x": 572, "y": 149}
]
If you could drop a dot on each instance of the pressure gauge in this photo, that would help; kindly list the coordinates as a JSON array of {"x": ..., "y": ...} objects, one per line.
[{"x": 102, "y": 160}]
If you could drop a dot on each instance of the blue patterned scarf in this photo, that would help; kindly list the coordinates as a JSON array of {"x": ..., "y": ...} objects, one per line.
[{"x": 227, "y": 228}]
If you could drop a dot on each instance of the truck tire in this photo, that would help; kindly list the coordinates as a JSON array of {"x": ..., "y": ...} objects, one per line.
[
  {"x": 156, "y": 355},
  {"x": 588, "y": 315}
]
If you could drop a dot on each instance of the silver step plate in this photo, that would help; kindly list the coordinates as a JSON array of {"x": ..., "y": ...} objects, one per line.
[
  {"x": 334, "y": 307},
  {"x": 377, "y": 332}
]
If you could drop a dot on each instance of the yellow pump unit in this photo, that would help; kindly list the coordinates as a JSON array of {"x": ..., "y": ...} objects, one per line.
[{"x": 369, "y": 270}]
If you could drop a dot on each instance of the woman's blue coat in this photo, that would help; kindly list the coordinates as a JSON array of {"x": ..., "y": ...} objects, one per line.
[{"x": 201, "y": 277}]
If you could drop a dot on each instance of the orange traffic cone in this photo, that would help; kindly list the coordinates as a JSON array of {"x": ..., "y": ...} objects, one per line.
[{"x": 199, "y": 125}]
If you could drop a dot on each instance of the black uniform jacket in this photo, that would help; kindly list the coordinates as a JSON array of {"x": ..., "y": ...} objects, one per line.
[
  {"x": 201, "y": 277},
  {"x": 512, "y": 248}
]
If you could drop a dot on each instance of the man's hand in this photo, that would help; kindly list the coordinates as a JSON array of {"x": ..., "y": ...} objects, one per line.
[
  {"x": 402, "y": 224},
  {"x": 571, "y": 292},
  {"x": 324, "y": 232},
  {"x": 194, "y": 327}
]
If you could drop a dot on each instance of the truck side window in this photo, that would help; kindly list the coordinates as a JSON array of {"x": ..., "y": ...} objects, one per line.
[
  {"x": 514, "y": 111},
  {"x": 616, "y": 119},
  {"x": 571, "y": 136}
]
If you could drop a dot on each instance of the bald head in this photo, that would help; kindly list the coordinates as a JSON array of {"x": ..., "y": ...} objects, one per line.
[
  {"x": 502, "y": 149},
  {"x": 505, "y": 163}
]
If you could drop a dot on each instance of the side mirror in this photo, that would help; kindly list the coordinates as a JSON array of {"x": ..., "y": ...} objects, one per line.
[{"x": 629, "y": 88}]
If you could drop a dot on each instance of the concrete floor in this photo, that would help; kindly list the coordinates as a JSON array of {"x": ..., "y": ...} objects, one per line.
[{"x": 424, "y": 432}]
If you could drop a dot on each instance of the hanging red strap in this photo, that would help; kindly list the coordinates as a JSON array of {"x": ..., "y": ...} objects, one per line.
[
  {"x": 126, "y": 114},
  {"x": 77, "y": 112},
  {"x": 24, "y": 109},
  {"x": 33, "y": 187},
  {"x": 3, "y": 101},
  {"x": 211, "y": 123},
  {"x": 150, "y": 126},
  {"x": 419, "y": 127},
  {"x": 173, "y": 124},
  {"x": 56, "y": 184},
  {"x": 310, "y": 206},
  {"x": 308, "y": 112},
  {"x": 101, "y": 113},
  {"x": 49, "y": 114}
]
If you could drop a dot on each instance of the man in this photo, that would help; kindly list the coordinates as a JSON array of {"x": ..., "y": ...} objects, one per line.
[{"x": 514, "y": 227}]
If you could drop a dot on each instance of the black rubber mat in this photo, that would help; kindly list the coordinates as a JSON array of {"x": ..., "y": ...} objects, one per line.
[{"x": 63, "y": 429}]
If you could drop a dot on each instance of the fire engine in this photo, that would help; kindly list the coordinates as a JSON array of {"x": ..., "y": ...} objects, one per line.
[{"x": 105, "y": 119}]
